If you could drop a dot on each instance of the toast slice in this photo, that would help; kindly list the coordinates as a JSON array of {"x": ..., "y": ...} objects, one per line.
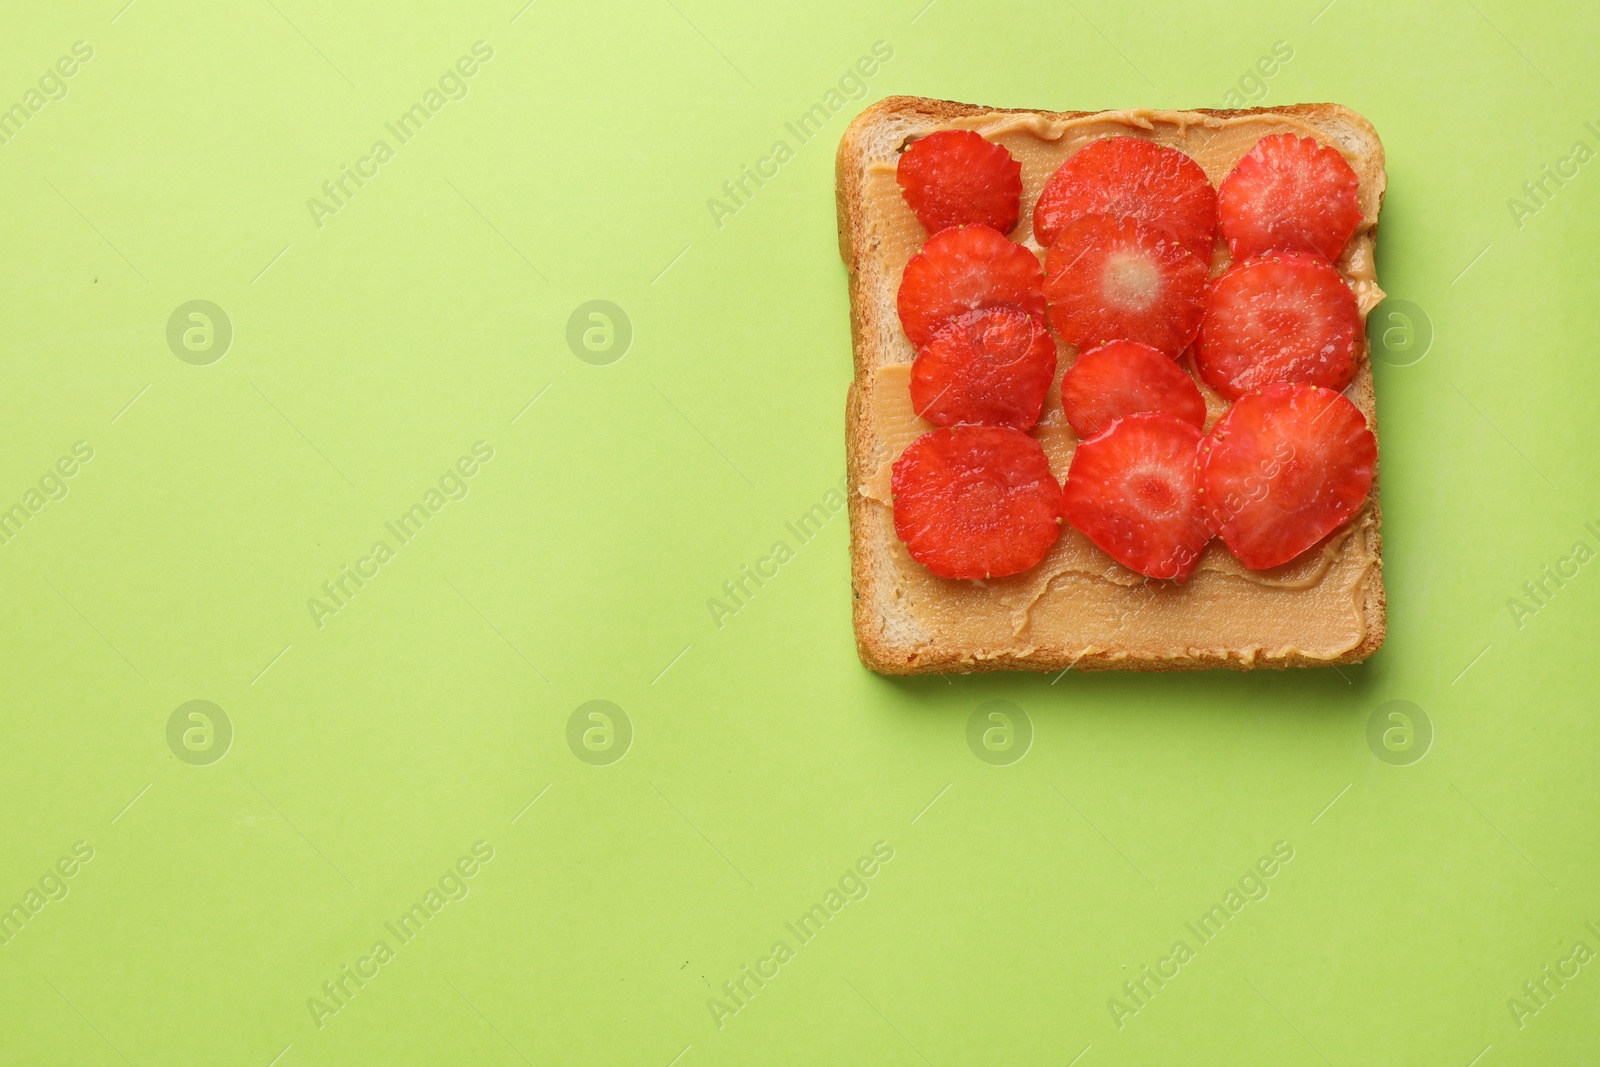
[{"x": 1079, "y": 608}]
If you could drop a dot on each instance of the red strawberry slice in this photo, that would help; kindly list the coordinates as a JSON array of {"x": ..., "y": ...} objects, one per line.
[
  {"x": 1129, "y": 177},
  {"x": 1125, "y": 378},
  {"x": 991, "y": 366},
  {"x": 963, "y": 268},
  {"x": 1288, "y": 194},
  {"x": 956, "y": 178},
  {"x": 1132, "y": 489},
  {"x": 1279, "y": 319},
  {"x": 1118, "y": 279},
  {"x": 1286, "y": 466},
  {"x": 976, "y": 501}
]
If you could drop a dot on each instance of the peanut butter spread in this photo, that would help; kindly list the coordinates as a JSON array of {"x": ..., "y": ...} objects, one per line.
[{"x": 1078, "y": 599}]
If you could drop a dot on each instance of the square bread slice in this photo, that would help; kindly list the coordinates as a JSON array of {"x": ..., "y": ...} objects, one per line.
[{"x": 1079, "y": 608}]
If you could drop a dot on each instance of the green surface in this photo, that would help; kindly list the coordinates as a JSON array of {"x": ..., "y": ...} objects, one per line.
[{"x": 379, "y": 740}]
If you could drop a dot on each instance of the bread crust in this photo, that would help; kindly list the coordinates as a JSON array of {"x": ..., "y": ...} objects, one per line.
[{"x": 887, "y": 656}]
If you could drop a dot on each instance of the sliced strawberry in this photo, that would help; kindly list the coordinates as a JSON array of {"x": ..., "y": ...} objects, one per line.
[
  {"x": 991, "y": 366},
  {"x": 1129, "y": 177},
  {"x": 976, "y": 501},
  {"x": 1125, "y": 378},
  {"x": 1133, "y": 491},
  {"x": 1285, "y": 467},
  {"x": 962, "y": 268},
  {"x": 1288, "y": 194},
  {"x": 956, "y": 178},
  {"x": 1279, "y": 319},
  {"x": 1118, "y": 279}
]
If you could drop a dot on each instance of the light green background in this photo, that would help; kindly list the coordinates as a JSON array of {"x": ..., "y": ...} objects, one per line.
[{"x": 370, "y": 754}]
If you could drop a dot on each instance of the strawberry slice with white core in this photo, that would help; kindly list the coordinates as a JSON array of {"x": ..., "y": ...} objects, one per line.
[
  {"x": 1285, "y": 467},
  {"x": 1113, "y": 279},
  {"x": 1132, "y": 489}
]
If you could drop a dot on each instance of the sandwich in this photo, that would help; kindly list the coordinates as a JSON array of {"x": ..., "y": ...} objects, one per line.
[{"x": 1112, "y": 405}]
